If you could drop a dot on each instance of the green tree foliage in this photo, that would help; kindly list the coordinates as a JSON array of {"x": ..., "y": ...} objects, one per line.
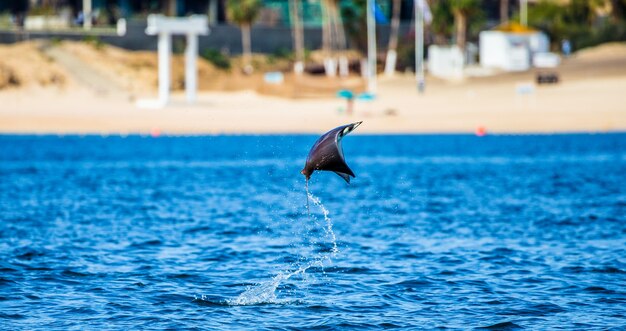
[
  {"x": 244, "y": 13},
  {"x": 463, "y": 10},
  {"x": 548, "y": 16},
  {"x": 578, "y": 22},
  {"x": 354, "y": 20},
  {"x": 584, "y": 11},
  {"x": 216, "y": 57},
  {"x": 458, "y": 18},
  {"x": 441, "y": 25}
]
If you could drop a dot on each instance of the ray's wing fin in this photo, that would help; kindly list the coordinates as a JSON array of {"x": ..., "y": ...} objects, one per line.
[
  {"x": 341, "y": 167},
  {"x": 340, "y": 132},
  {"x": 345, "y": 177}
]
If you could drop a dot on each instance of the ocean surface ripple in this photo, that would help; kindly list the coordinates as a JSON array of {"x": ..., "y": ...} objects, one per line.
[{"x": 212, "y": 233}]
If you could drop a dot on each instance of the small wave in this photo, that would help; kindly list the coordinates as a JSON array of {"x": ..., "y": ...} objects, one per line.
[
  {"x": 598, "y": 289},
  {"x": 11, "y": 316},
  {"x": 7, "y": 269},
  {"x": 200, "y": 229},
  {"x": 537, "y": 310},
  {"x": 5, "y": 281},
  {"x": 350, "y": 270},
  {"x": 207, "y": 301},
  {"x": 495, "y": 302},
  {"x": 608, "y": 270},
  {"x": 501, "y": 326},
  {"x": 319, "y": 308},
  {"x": 170, "y": 298},
  {"x": 388, "y": 325},
  {"x": 81, "y": 311},
  {"x": 601, "y": 270},
  {"x": 148, "y": 243},
  {"x": 412, "y": 284},
  {"x": 182, "y": 275},
  {"x": 71, "y": 273},
  {"x": 28, "y": 254}
]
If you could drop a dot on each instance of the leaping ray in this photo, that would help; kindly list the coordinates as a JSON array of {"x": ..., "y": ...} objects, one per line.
[{"x": 327, "y": 154}]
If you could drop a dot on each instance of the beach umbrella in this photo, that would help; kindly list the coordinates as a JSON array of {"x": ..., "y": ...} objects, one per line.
[{"x": 349, "y": 96}]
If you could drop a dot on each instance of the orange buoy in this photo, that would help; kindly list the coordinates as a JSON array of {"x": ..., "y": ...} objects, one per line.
[{"x": 155, "y": 132}]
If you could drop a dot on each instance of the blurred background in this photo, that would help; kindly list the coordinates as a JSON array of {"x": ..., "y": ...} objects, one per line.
[{"x": 502, "y": 66}]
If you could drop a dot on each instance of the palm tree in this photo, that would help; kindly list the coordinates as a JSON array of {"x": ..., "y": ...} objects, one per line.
[
  {"x": 462, "y": 9},
  {"x": 333, "y": 36},
  {"x": 244, "y": 13},
  {"x": 597, "y": 6},
  {"x": 440, "y": 26},
  {"x": 169, "y": 6},
  {"x": 504, "y": 11},
  {"x": 618, "y": 9},
  {"x": 390, "y": 62},
  {"x": 298, "y": 36}
]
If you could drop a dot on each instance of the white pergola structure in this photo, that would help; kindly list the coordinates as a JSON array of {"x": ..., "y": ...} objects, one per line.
[{"x": 165, "y": 27}]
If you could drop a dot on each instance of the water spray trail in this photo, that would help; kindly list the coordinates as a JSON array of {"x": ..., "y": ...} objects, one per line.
[
  {"x": 308, "y": 209},
  {"x": 329, "y": 223},
  {"x": 266, "y": 292}
]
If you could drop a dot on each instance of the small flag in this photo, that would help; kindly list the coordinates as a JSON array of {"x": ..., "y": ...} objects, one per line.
[{"x": 378, "y": 14}]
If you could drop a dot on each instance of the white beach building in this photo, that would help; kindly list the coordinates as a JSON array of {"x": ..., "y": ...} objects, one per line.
[{"x": 511, "y": 47}]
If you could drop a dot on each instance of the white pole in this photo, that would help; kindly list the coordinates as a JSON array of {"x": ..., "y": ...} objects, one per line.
[
  {"x": 87, "y": 14},
  {"x": 191, "y": 72},
  {"x": 371, "y": 48},
  {"x": 524, "y": 12},
  {"x": 165, "y": 49},
  {"x": 419, "y": 46}
]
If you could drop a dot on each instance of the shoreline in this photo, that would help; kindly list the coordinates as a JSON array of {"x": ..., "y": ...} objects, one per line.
[
  {"x": 594, "y": 106},
  {"x": 590, "y": 98}
]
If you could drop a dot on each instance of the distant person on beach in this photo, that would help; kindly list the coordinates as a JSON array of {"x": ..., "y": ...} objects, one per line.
[{"x": 566, "y": 47}]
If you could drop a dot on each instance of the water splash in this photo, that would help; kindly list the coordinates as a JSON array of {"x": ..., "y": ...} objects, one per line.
[{"x": 266, "y": 292}]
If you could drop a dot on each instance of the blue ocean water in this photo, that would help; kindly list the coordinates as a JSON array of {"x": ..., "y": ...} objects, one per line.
[{"x": 212, "y": 233}]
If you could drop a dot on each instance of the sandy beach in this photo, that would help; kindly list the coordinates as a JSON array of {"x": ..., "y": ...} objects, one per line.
[{"x": 590, "y": 98}]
